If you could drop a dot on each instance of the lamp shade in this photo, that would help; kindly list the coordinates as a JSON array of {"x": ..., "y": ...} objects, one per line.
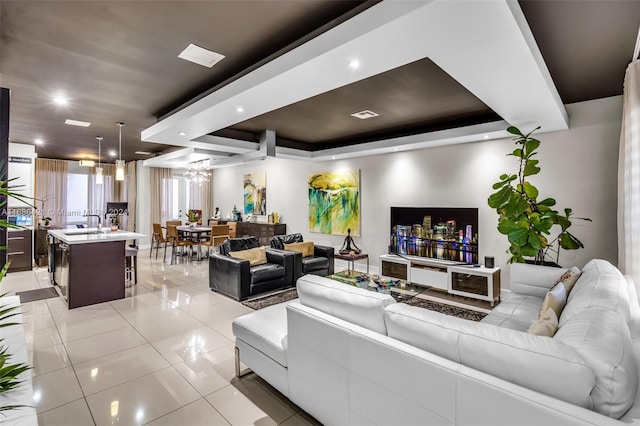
[
  {"x": 99, "y": 176},
  {"x": 119, "y": 169}
]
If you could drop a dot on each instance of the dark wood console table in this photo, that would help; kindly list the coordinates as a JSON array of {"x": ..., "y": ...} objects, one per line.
[{"x": 264, "y": 231}]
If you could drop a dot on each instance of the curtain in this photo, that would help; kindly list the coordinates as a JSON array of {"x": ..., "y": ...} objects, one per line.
[
  {"x": 51, "y": 190},
  {"x": 629, "y": 176},
  {"x": 200, "y": 198},
  {"x": 131, "y": 179},
  {"x": 100, "y": 195},
  {"x": 161, "y": 182}
]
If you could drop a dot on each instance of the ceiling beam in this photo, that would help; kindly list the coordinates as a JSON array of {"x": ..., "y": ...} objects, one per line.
[
  {"x": 267, "y": 149},
  {"x": 486, "y": 46},
  {"x": 493, "y": 130}
]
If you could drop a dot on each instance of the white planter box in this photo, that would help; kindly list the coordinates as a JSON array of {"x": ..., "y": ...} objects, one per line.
[{"x": 14, "y": 339}]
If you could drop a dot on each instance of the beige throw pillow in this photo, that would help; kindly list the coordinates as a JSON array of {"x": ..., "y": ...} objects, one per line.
[
  {"x": 306, "y": 248},
  {"x": 546, "y": 325},
  {"x": 255, "y": 256},
  {"x": 555, "y": 299},
  {"x": 569, "y": 278}
]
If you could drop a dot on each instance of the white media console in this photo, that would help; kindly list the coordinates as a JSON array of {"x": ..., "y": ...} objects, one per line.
[{"x": 479, "y": 282}]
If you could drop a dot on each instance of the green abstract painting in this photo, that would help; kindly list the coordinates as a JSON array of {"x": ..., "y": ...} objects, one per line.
[
  {"x": 255, "y": 193},
  {"x": 334, "y": 202}
]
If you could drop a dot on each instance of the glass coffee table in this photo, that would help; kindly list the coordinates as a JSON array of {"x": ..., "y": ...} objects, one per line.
[{"x": 398, "y": 289}]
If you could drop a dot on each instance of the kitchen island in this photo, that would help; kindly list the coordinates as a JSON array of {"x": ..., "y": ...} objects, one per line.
[{"x": 88, "y": 265}]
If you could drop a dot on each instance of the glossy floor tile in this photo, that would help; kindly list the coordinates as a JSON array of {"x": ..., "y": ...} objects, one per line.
[
  {"x": 141, "y": 400},
  {"x": 74, "y": 413},
  {"x": 54, "y": 389},
  {"x": 162, "y": 328},
  {"x": 164, "y": 355},
  {"x": 209, "y": 372},
  {"x": 48, "y": 359},
  {"x": 190, "y": 345},
  {"x": 199, "y": 413},
  {"x": 79, "y": 330},
  {"x": 111, "y": 370},
  {"x": 93, "y": 347},
  {"x": 251, "y": 401}
]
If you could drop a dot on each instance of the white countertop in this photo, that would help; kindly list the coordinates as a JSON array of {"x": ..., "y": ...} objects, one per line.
[{"x": 90, "y": 235}]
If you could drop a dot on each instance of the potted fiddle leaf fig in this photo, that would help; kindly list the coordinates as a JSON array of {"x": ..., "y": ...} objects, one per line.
[{"x": 527, "y": 219}]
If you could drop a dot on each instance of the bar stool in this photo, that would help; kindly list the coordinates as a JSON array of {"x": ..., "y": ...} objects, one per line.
[{"x": 131, "y": 264}]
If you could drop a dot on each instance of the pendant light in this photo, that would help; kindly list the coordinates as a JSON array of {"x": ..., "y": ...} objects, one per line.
[
  {"x": 119, "y": 162},
  {"x": 99, "y": 177}
]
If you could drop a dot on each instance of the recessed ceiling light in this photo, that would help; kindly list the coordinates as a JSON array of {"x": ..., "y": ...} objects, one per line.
[
  {"x": 485, "y": 137},
  {"x": 182, "y": 133},
  {"x": 333, "y": 158},
  {"x": 77, "y": 123},
  {"x": 38, "y": 141},
  {"x": 395, "y": 149},
  {"x": 60, "y": 100},
  {"x": 363, "y": 115},
  {"x": 200, "y": 56},
  {"x": 354, "y": 64},
  {"x": 143, "y": 153},
  {"x": 112, "y": 153},
  {"x": 240, "y": 110}
]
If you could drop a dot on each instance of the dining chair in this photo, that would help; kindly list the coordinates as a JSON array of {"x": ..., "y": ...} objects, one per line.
[
  {"x": 232, "y": 229},
  {"x": 158, "y": 238},
  {"x": 173, "y": 238},
  {"x": 219, "y": 234}
]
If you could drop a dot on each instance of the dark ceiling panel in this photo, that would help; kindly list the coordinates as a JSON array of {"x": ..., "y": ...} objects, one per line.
[
  {"x": 587, "y": 45},
  {"x": 117, "y": 60},
  {"x": 417, "y": 95}
]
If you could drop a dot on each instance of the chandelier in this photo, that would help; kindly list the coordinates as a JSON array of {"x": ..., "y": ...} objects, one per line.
[{"x": 198, "y": 171}]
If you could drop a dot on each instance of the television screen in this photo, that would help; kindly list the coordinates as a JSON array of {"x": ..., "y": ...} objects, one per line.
[
  {"x": 446, "y": 233},
  {"x": 117, "y": 208}
]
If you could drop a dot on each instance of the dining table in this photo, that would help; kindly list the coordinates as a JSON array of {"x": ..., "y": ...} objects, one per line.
[{"x": 195, "y": 234}]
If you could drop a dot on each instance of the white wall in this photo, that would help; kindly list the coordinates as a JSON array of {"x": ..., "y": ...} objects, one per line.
[
  {"x": 23, "y": 173},
  {"x": 579, "y": 169}
]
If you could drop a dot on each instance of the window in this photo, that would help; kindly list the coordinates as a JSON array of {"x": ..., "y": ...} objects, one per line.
[{"x": 77, "y": 199}]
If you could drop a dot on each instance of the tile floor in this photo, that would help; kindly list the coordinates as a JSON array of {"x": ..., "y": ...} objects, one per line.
[{"x": 162, "y": 356}]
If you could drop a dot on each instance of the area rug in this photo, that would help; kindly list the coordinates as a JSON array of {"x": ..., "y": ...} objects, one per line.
[
  {"x": 37, "y": 294},
  {"x": 455, "y": 311},
  {"x": 272, "y": 299}
]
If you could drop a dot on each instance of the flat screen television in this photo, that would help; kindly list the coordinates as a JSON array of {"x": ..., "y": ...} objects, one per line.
[
  {"x": 117, "y": 208},
  {"x": 446, "y": 233}
]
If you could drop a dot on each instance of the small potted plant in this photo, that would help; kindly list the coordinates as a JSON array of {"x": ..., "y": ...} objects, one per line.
[{"x": 46, "y": 221}]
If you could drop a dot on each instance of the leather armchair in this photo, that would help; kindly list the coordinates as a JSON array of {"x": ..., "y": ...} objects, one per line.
[
  {"x": 236, "y": 278},
  {"x": 321, "y": 263}
]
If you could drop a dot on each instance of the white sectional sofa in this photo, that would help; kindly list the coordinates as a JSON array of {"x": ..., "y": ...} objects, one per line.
[{"x": 350, "y": 356}]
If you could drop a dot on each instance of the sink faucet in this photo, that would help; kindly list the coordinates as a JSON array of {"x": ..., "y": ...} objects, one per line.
[{"x": 99, "y": 220}]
